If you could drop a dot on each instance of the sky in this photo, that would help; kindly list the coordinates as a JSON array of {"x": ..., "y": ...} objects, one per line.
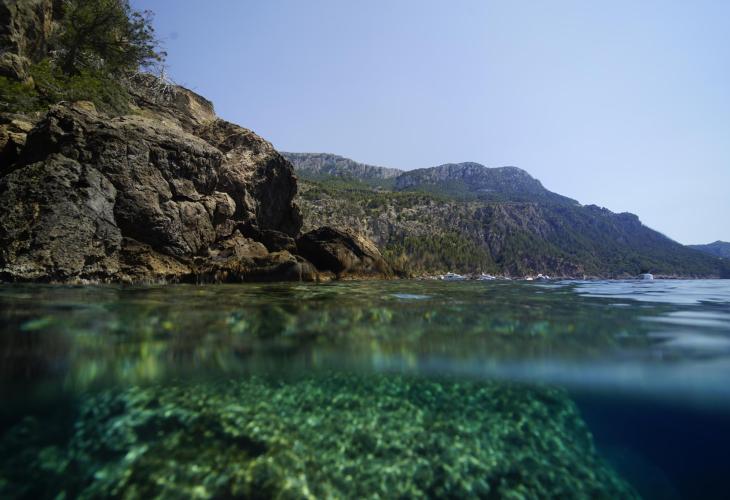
[{"x": 622, "y": 104}]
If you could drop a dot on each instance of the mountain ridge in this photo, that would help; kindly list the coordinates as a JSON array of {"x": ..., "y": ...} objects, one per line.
[
  {"x": 462, "y": 180},
  {"x": 717, "y": 248},
  {"x": 438, "y": 219}
]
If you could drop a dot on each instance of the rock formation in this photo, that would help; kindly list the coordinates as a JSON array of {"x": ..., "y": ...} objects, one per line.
[
  {"x": 25, "y": 26},
  {"x": 169, "y": 193},
  {"x": 343, "y": 253}
]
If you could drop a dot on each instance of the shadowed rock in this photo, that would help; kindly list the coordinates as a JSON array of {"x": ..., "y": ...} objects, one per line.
[
  {"x": 343, "y": 253},
  {"x": 140, "y": 198},
  {"x": 167, "y": 192}
]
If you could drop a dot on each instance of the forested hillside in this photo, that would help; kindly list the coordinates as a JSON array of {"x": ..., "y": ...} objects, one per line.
[{"x": 469, "y": 218}]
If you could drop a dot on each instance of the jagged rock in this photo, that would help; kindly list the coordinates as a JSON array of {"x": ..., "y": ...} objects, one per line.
[
  {"x": 24, "y": 32},
  {"x": 257, "y": 174},
  {"x": 135, "y": 198},
  {"x": 171, "y": 103},
  {"x": 243, "y": 259},
  {"x": 276, "y": 241},
  {"x": 166, "y": 193},
  {"x": 140, "y": 198},
  {"x": 57, "y": 222},
  {"x": 13, "y": 132},
  {"x": 343, "y": 253}
]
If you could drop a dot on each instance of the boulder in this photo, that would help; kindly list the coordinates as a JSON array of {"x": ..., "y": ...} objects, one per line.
[
  {"x": 346, "y": 254},
  {"x": 86, "y": 197},
  {"x": 13, "y": 132},
  {"x": 136, "y": 198}
]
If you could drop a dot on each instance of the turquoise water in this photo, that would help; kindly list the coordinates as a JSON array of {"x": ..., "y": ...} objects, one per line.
[{"x": 366, "y": 389}]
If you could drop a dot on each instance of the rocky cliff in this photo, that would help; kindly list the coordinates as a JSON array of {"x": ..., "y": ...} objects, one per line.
[
  {"x": 167, "y": 192},
  {"x": 325, "y": 165},
  {"x": 25, "y": 27}
]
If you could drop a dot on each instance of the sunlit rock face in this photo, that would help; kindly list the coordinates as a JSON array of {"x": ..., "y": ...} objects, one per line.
[
  {"x": 329, "y": 436},
  {"x": 166, "y": 193},
  {"x": 137, "y": 197},
  {"x": 169, "y": 193}
]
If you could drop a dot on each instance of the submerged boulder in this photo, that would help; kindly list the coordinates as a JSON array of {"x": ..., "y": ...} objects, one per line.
[{"x": 328, "y": 436}]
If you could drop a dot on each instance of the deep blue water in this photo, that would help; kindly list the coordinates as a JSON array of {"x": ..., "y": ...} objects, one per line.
[{"x": 597, "y": 389}]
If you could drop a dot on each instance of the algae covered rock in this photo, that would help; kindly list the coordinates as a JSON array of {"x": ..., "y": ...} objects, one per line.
[{"x": 337, "y": 436}]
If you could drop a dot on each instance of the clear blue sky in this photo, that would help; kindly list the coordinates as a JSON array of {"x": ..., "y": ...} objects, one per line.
[{"x": 625, "y": 104}]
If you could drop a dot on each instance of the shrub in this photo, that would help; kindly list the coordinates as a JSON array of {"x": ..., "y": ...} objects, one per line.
[
  {"x": 105, "y": 35},
  {"x": 18, "y": 97},
  {"x": 53, "y": 85}
]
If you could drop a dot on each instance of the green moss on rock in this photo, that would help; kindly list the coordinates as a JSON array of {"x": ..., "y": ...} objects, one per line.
[{"x": 339, "y": 436}]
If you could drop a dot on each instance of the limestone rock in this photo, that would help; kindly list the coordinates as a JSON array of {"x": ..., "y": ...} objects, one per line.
[
  {"x": 24, "y": 32},
  {"x": 344, "y": 253},
  {"x": 13, "y": 132},
  {"x": 145, "y": 198},
  {"x": 137, "y": 198},
  {"x": 166, "y": 193},
  {"x": 57, "y": 222}
]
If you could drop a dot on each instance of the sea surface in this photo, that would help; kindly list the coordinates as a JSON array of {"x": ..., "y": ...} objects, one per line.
[{"x": 398, "y": 389}]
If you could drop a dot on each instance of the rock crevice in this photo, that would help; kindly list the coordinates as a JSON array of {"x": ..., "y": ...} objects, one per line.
[{"x": 148, "y": 198}]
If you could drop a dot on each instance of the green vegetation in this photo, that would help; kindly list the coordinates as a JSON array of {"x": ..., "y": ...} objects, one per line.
[
  {"x": 51, "y": 85},
  {"x": 328, "y": 436},
  {"x": 439, "y": 252},
  {"x": 106, "y": 35},
  {"x": 97, "y": 45},
  {"x": 439, "y": 230},
  {"x": 17, "y": 96}
]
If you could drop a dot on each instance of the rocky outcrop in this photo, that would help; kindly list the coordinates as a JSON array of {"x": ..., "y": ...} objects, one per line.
[
  {"x": 343, "y": 253},
  {"x": 24, "y": 32},
  {"x": 13, "y": 131},
  {"x": 319, "y": 165},
  {"x": 169, "y": 193}
]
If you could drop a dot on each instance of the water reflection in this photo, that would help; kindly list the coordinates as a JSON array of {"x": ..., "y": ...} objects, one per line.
[{"x": 570, "y": 332}]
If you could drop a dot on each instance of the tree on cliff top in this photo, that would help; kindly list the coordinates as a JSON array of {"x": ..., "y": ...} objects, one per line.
[
  {"x": 105, "y": 35},
  {"x": 95, "y": 47}
]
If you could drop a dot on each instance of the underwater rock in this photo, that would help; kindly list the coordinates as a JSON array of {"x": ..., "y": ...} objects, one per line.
[{"x": 334, "y": 436}]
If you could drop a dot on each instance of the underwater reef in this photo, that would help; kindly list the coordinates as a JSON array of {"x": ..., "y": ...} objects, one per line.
[{"x": 324, "y": 435}]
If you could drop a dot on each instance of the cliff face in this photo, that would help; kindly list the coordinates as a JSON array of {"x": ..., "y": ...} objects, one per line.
[
  {"x": 168, "y": 192},
  {"x": 475, "y": 181},
  {"x": 324, "y": 165},
  {"x": 25, "y": 26}
]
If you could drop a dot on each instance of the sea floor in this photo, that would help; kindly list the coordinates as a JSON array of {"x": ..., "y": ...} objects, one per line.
[{"x": 366, "y": 390}]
